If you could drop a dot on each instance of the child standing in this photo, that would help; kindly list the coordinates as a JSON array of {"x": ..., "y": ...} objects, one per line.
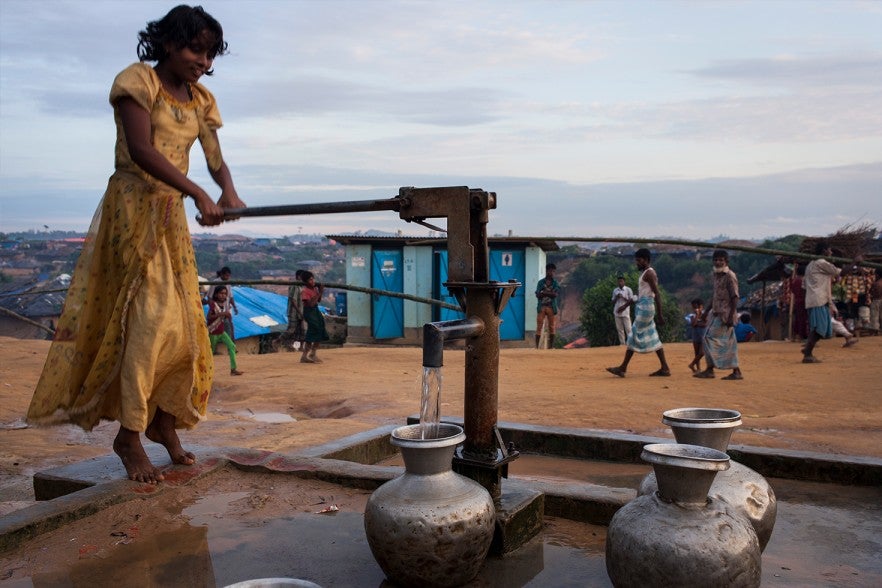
[
  {"x": 224, "y": 274},
  {"x": 698, "y": 322},
  {"x": 132, "y": 344},
  {"x": 217, "y": 317},
  {"x": 315, "y": 322}
]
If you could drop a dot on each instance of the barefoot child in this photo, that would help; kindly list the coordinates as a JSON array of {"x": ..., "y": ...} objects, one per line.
[
  {"x": 698, "y": 322},
  {"x": 132, "y": 344},
  {"x": 217, "y": 318},
  {"x": 315, "y": 322}
]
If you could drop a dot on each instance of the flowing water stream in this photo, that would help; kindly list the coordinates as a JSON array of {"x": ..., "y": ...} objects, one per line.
[{"x": 430, "y": 403}]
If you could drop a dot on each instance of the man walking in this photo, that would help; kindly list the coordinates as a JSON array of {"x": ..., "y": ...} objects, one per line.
[
  {"x": 720, "y": 344},
  {"x": 818, "y": 284},
  {"x": 644, "y": 336},
  {"x": 621, "y": 298}
]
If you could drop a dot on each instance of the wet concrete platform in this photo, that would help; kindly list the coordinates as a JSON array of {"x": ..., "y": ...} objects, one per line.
[{"x": 830, "y": 507}]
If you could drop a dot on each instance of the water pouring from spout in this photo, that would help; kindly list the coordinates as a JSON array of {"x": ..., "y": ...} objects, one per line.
[{"x": 430, "y": 403}]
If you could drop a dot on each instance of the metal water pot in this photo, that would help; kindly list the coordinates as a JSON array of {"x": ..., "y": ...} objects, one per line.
[
  {"x": 678, "y": 536},
  {"x": 430, "y": 526},
  {"x": 740, "y": 486}
]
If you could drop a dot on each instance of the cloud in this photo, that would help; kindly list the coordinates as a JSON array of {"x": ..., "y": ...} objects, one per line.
[
  {"x": 532, "y": 100},
  {"x": 811, "y": 201},
  {"x": 318, "y": 95},
  {"x": 820, "y": 71}
]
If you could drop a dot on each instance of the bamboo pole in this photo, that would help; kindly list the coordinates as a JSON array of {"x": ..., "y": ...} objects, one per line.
[
  {"x": 350, "y": 287},
  {"x": 706, "y": 245},
  {"x": 25, "y": 319}
]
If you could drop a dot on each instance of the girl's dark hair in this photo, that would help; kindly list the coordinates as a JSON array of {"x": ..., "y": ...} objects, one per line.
[
  {"x": 180, "y": 27},
  {"x": 305, "y": 275},
  {"x": 216, "y": 290},
  {"x": 642, "y": 253}
]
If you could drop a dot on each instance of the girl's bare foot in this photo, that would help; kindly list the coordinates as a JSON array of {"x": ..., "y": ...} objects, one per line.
[
  {"x": 162, "y": 430},
  {"x": 127, "y": 445}
]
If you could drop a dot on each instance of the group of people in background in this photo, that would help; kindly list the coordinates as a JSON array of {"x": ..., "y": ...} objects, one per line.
[
  {"x": 716, "y": 329},
  {"x": 306, "y": 324}
]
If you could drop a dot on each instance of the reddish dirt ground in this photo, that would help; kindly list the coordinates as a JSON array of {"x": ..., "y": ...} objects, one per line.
[{"x": 831, "y": 407}]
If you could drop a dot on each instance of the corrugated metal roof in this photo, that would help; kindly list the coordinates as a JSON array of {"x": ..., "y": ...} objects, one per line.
[{"x": 544, "y": 243}]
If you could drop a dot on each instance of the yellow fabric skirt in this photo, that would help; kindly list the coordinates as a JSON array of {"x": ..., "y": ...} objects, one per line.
[{"x": 132, "y": 335}]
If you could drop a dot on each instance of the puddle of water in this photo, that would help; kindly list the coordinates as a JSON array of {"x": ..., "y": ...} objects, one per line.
[
  {"x": 328, "y": 550},
  {"x": 268, "y": 417},
  {"x": 825, "y": 535},
  {"x": 213, "y": 506},
  {"x": 561, "y": 469}
]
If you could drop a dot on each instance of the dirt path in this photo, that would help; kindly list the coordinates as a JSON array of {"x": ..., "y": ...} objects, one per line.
[{"x": 830, "y": 407}]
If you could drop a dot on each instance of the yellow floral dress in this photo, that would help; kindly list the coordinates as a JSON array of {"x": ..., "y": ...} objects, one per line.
[{"x": 132, "y": 336}]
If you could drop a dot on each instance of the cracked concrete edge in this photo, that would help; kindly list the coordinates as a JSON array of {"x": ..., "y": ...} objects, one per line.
[
  {"x": 620, "y": 446},
  {"x": 583, "y": 502}
]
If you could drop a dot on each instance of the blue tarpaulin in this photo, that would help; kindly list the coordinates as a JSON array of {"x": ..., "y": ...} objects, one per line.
[{"x": 260, "y": 312}]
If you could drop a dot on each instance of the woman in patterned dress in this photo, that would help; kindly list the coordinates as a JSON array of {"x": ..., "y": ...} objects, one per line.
[{"x": 132, "y": 344}]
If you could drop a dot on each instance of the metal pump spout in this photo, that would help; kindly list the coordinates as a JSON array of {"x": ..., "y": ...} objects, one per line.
[{"x": 435, "y": 334}]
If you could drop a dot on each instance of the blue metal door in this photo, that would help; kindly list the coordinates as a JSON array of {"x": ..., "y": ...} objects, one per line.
[
  {"x": 439, "y": 292},
  {"x": 505, "y": 265},
  {"x": 387, "y": 313}
]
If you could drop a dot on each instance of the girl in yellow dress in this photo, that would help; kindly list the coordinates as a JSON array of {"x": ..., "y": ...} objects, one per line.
[{"x": 132, "y": 344}]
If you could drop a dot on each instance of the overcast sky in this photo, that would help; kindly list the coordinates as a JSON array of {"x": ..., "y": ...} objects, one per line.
[{"x": 629, "y": 118}]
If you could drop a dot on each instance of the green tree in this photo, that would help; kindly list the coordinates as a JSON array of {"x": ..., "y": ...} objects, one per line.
[
  {"x": 591, "y": 271},
  {"x": 597, "y": 313}
]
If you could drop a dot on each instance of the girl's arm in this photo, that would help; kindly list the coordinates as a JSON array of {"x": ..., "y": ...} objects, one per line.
[
  {"x": 138, "y": 130},
  {"x": 213, "y": 312}
]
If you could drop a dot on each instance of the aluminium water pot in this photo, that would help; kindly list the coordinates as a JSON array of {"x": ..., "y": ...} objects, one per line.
[{"x": 430, "y": 526}]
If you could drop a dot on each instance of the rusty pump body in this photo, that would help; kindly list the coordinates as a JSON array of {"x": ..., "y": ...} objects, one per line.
[{"x": 483, "y": 457}]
